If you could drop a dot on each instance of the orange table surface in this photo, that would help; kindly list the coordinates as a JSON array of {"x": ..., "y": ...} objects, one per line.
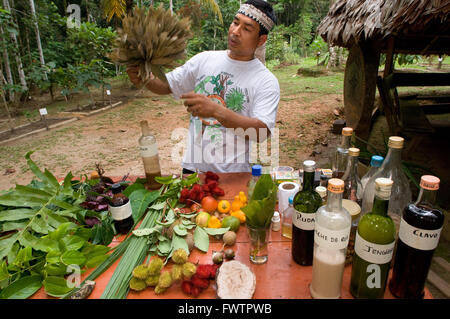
[{"x": 279, "y": 278}]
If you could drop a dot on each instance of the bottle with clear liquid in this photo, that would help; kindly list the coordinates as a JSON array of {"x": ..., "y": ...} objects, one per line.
[
  {"x": 420, "y": 229},
  {"x": 256, "y": 174},
  {"x": 339, "y": 162},
  {"x": 149, "y": 153},
  {"x": 306, "y": 203},
  {"x": 286, "y": 221},
  {"x": 352, "y": 192},
  {"x": 120, "y": 209},
  {"x": 375, "y": 164},
  {"x": 331, "y": 235},
  {"x": 374, "y": 246},
  {"x": 392, "y": 169}
]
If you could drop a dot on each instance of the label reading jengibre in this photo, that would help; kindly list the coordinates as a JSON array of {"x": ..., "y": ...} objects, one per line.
[
  {"x": 332, "y": 239},
  {"x": 373, "y": 253},
  {"x": 417, "y": 238},
  {"x": 149, "y": 151},
  {"x": 304, "y": 221}
]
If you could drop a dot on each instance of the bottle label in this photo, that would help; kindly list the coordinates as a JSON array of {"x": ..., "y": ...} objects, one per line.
[
  {"x": 332, "y": 239},
  {"x": 149, "y": 150},
  {"x": 121, "y": 212},
  {"x": 304, "y": 221},
  {"x": 423, "y": 239},
  {"x": 373, "y": 253}
]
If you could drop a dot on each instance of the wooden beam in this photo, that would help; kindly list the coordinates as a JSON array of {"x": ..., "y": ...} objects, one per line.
[
  {"x": 389, "y": 64},
  {"x": 420, "y": 79}
]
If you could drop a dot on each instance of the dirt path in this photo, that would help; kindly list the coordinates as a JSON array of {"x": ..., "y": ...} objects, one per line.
[{"x": 111, "y": 137}]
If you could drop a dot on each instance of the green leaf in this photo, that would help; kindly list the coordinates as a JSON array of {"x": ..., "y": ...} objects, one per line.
[
  {"x": 56, "y": 286},
  {"x": 164, "y": 247},
  {"x": 8, "y": 226},
  {"x": 139, "y": 200},
  {"x": 22, "y": 288},
  {"x": 216, "y": 231},
  {"x": 92, "y": 251},
  {"x": 53, "y": 257},
  {"x": 4, "y": 271},
  {"x": 145, "y": 231},
  {"x": 16, "y": 214},
  {"x": 95, "y": 261},
  {"x": 179, "y": 243},
  {"x": 39, "y": 225},
  {"x": 46, "y": 244},
  {"x": 158, "y": 206},
  {"x": 164, "y": 180},
  {"x": 130, "y": 189},
  {"x": 180, "y": 230},
  {"x": 26, "y": 239},
  {"x": 57, "y": 269},
  {"x": 73, "y": 242},
  {"x": 23, "y": 256},
  {"x": 201, "y": 239},
  {"x": 73, "y": 257}
]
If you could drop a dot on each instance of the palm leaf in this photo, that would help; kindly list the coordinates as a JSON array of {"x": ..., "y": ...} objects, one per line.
[{"x": 214, "y": 7}]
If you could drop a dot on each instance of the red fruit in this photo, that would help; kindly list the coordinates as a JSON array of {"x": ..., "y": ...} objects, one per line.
[
  {"x": 205, "y": 188},
  {"x": 212, "y": 184},
  {"x": 213, "y": 271},
  {"x": 203, "y": 271},
  {"x": 217, "y": 191},
  {"x": 211, "y": 175},
  {"x": 195, "y": 291},
  {"x": 199, "y": 282},
  {"x": 184, "y": 193},
  {"x": 186, "y": 287}
]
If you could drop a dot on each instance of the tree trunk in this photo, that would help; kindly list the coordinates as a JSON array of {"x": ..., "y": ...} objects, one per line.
[
  {"x": 13, "y": 37},
  {"x": 171, "y": 6},
  {"x": 2, "y": 93},
  {"x": 7, "y": 68},
  {"x": 332, "y": 60},
  {"x": 38, "y": 38}
]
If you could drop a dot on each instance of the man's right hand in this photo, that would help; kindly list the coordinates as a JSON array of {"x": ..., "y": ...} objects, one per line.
[{"x": 155, "y": 85}]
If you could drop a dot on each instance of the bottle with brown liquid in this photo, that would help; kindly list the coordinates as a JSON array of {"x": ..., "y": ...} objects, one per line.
[
  {"x": 120, "y": 209},
  {"x": 418, "y": 237},
  {"x": 149, "y": 154}
]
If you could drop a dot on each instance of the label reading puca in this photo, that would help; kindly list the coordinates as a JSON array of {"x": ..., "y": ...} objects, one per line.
[
  {"x": 304, "y": 221},
  {"x": 332, "y": 239},
  {"x": 373, "y": 253},
  {"x": 149, "y": 151},
  {"x": 121, "y": 212},
  {"x": 422, "y": 239}
]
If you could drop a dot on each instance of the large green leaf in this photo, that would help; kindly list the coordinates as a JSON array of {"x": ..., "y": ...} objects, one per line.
[
  {"x": 140, "y": 199},
  {"x": 22, "y": 288},
  {"x": 201, "y": 239},
  {"x": 73, "y": 257},
  {"x": 73, "y": 242},
  {"x": 16, "y": 214},
  {"x": 56, "y": 286}
]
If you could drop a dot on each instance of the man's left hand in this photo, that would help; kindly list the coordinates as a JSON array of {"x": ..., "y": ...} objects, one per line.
[{"x": 199, "y": 105}]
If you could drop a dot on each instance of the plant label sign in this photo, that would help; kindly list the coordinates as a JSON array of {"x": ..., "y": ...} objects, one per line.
[
  {"x": 43, "y": 111},
  {"x": 108, "y": 92}
]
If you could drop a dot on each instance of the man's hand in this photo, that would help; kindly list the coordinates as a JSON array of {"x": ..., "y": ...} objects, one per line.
[
  {"x": 155, "y": 85},
  {"x": 134, "y": 77},
  {"x": 200, "y": 105}
]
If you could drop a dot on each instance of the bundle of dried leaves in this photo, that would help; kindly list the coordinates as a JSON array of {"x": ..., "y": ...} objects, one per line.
[{"x": 152, "y": 39}]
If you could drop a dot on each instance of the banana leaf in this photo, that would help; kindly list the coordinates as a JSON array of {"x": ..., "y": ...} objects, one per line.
[{"x": 260, "y": 208}]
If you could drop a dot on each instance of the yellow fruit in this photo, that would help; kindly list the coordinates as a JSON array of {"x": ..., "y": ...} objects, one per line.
[
  {"x": 202, "y": 219},
  {"x": 95, "y": 175},
  {"x": 237, "y": 204},
  {"x": 240, "y": 215},
  {"x": 214, "y": 222},
  {"x": 243, "y": 198},
  {"x": 224, "y": 206},
  {"x": 231, "y": 221}
]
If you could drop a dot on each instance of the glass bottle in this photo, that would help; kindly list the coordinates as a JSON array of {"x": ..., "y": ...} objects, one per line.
[
  {"x": 391, "y": 168},
  {"x": 339, "y": 162},
  {"x": 322, "y": 190},
  {"x": 120, "y": 209},
  {"x": 352, "y": 192},
  {"x": 331, "y": 234},
  {"x": 306, "y": 203},
  {"x": 149, "y": 153},
  {"x": 374, "y": 246},
  {"x": 286, "y": 222},
  {"x": 420, "y": 229},
  {"x": 256, "y": 173},
  {"x": 375, "y": 164}
]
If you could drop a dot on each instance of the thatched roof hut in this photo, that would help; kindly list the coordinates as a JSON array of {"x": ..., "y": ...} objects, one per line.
[{"x": 419, "y": 26}]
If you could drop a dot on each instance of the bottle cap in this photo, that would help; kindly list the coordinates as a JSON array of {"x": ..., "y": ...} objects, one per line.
[
  {"x": 291, "y": 199},
  {"x": 376, "y": 161},
  {"x": 383, "y": 187},
  {"x": 396, "y": 142},
  {"x": 256, "y": 170},
  {"x": 336, "y": 185},
  {"x": 429, "y": 182},
  {"x": 347, "y": 131},
  {"x": 352, "y": 207},
  {"x": 276, "y": 217},
  {"x": 353, "y": 151},
  {"x": 116, "y": 188},
  {"x": 321, "y": 190},
  {"x": 309, "y": 166}
]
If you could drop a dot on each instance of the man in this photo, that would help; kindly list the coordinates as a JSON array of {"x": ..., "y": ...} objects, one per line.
[{"x": 228, "y": 93}]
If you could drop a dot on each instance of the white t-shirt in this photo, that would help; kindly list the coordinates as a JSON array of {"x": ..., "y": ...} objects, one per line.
[{"x": 246, "y": 87}]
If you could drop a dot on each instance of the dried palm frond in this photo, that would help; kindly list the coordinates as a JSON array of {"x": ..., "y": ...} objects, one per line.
[{"x": 152, "y": 40}]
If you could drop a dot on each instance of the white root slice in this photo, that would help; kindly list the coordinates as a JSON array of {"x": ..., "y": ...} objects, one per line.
[{"x": 235, "y": 281}]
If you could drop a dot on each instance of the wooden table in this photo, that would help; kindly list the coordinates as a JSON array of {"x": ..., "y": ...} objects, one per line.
[{"x": 279, "y": 278}]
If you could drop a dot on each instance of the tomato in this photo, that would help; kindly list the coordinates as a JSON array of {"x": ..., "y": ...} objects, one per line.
[{"x": 209, "y": 204}]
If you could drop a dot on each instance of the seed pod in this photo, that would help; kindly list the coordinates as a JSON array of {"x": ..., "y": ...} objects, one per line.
[
  {"x": 159, "y": 290},
  {"x": 217, "y": 257},
  {"x": 137, "y": 284},
  {"x": 155, "y": 266},
  {"x": 177, "y": 272},
  {"x": 140, "y": 272},
  {"x": 229, "y": 254},
  {"x": 180, "y": 256},
  {"x": 189, "y": 270},
  {"x": 152, "y": 281}
]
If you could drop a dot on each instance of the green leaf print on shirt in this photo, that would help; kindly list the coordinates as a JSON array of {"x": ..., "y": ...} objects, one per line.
[
  {"x": 235, "y": 99},
  {"x": 200, "y": 88}
]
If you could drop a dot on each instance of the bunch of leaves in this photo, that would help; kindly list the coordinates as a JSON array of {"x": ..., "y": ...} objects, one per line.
[
  {"x": 260, "y": 208},
  {"x": 64, "y": 251},
  {"x": 152, "y": 40}
]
